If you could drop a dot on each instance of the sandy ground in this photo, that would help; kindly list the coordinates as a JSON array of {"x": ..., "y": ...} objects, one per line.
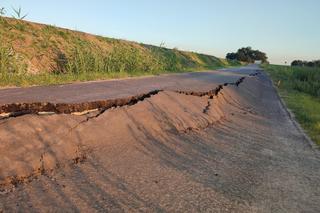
[{"x": 170, "y": 152}]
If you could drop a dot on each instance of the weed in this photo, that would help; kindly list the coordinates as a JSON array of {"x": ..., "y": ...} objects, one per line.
[
  {"x": 2, "y": 11},
  {"x": 61, "y": 62},
  {"x": 18, "y": 14},
  {"x": 108, "y": 40},
  {"x": 20, "y": 26},
  {"x": 10, "y": 64},
  {"x": 63, "y": 34},
  {"x": 162, "y": 44}
]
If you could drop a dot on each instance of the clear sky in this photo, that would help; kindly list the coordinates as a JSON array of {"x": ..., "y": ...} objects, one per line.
[{"x": 284, "y": 29}]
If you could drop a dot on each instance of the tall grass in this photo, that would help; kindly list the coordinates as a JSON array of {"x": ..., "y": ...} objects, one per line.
[
  {"x": 83, "y": 59},
  {"x": 302, "y": 79},
  {"x": 300, "y": 88},
  {"x": 175, "y": 60},
  {"x": 125, "y": 58},
  {"x": 10, "y": 63},
  {"x": 59, "y": 55},
  {"x": 306, "y": 80}
]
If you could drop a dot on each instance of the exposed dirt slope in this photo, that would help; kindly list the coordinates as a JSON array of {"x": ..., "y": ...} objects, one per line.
[
  {"x": 192, "y": 114},
  {"x": 238, "y": 151}
]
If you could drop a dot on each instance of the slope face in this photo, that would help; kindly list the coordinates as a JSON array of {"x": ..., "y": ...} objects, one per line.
[
  {"x": 36, "y": 48},
  {"x": 156, "y": 112},
  {"x": 173, "y": 151}
]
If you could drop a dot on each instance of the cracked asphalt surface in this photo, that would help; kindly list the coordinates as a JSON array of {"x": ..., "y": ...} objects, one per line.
[
  {"x": 238, "y": 151},
  {"x": 111, "y": 89}
]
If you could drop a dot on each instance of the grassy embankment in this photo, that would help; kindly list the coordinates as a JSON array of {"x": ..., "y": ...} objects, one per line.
[
  {"x": 36, "y": 54},
  {"x": 300, "y": 89}
]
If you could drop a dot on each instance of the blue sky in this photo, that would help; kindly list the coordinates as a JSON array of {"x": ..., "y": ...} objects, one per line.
[{"x": 284, "y": 29}]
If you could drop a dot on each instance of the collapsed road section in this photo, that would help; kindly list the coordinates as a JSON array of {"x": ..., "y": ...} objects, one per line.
[
  {"x": 175, "y": 151},
  {"x": 16, "y": 110},
  {"x": 44, "y": 108}
]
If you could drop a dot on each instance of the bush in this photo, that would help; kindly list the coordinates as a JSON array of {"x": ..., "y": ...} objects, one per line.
[
  {"x": 300, "y": 63},
  {"x": 247, "y": 54}
]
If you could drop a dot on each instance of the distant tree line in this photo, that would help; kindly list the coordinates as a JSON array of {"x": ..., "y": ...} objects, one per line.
[
  {"x": 300, "y": 63},
  {"x": 247, "y": 54}
]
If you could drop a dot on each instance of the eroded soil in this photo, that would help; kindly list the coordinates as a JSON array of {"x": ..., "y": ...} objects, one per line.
[{"x": 232, "y": 148}]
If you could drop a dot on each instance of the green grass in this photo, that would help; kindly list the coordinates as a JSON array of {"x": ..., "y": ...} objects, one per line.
[
  {"x": 34, "y": 54},
  {"x": 300, "y": 89},
  {"x": 10, "y": 63},
  {"x": 85, "y": 64},
  {"x": 53, "y": 79}
]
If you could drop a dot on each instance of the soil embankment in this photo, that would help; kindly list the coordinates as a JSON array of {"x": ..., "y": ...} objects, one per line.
[{"x": 232, "y": 148}]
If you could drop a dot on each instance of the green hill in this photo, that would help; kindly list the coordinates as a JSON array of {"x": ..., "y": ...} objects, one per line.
[{"x": 32, "y": 53}]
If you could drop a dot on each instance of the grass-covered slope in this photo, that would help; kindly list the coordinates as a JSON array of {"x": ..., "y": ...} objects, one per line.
[
  {"x": 300, "y": 88},
  {"x": 33, "y": 53}
]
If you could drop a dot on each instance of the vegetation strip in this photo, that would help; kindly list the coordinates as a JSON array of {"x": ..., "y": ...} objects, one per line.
[
  {"x": 37, "y": 54},
  {"x": 300, "y": 89}
]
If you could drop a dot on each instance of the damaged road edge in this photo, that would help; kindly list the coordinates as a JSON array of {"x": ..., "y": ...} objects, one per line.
[
  {"x": 12, "y": 182},
  {"x": 47, "y": 108}
]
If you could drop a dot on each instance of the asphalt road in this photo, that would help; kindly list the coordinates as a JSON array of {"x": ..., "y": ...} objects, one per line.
[
  {"x": 171, "y": 152},
  {"x": 110, "y": 89}
]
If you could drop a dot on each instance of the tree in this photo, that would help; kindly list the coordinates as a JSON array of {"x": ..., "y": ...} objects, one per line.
[
  {"x": 300, "y": 63},
  {"x": 297, "y": 63},
  {"x": 310, "y": 64},
  {"x": 247, "y": 54},
  {"x": 232, "y": 56}
]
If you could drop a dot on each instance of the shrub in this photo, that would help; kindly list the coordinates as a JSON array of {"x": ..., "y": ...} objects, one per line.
[
  {"x": 247, "y": 54},
  {"x": 300, "y": 63},
  {"x": 61, "y": 62}
]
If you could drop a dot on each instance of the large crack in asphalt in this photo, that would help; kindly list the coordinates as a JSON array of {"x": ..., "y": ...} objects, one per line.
[
  {"x": 47, "y": 108},
  {"x": 16, "y": 110}
]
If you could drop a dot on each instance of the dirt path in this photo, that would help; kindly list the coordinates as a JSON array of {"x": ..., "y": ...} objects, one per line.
[{"x": 221, "y": 148}]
